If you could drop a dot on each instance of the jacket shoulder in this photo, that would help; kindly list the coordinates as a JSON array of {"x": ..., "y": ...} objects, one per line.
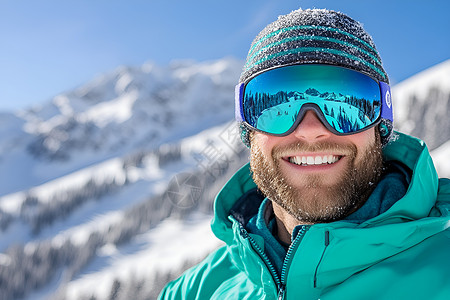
[{"x": 203, "y": 280}]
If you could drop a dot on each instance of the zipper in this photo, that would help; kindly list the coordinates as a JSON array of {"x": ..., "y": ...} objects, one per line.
[
  {"x": 281, "y": 281},
  {"x": 281, "y": 292},
  {"x": 287, "y": 261},
  {"x": 291, "y": 250},
  {"x": 261, "y": 253}
]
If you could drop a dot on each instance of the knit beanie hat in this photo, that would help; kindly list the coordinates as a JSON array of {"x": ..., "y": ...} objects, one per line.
[{"x": 315, "y": 36}]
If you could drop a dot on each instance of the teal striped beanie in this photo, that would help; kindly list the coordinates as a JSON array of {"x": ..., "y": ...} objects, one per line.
[{"x": 315, "y": 36}]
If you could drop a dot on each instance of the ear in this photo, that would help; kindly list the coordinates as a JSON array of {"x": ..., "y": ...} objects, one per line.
[
  {"x": 383, "y": 129},
  {"x": 245, "y": 134}
]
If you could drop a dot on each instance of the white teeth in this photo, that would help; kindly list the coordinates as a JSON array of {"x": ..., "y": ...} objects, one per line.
[{"x": 313, "y": 160}]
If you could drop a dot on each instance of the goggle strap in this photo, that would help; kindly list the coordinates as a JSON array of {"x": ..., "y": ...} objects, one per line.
[
  {"x": 386, "y": 105},
  {"x": 238, "y": 96}
]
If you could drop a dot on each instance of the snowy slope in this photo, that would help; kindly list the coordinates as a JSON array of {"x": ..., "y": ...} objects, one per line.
[
  {"x": 113, "y": 214},
  {"x": 441, "y": 158},
  {"x": 422, "y": 105},
  {"x": 106, "y": 191},
  {"x": 161, "y": 249}
]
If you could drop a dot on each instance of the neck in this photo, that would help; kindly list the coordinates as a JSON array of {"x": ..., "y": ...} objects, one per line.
[{"x": 285, "y": 223}]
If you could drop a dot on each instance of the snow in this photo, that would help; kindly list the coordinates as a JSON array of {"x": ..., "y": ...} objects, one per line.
[
  {"x": 108, "y": 171},
  {"x": 162, "y": 248},
  {"x": 418, "y": 85},
  {"x": 12, "y": 203},
  {"x": 441, "y": 158},
  {"x": 116, "y": 113},
  {"x": 146, "y": 180},
  {"x": 5, "y": 260}
]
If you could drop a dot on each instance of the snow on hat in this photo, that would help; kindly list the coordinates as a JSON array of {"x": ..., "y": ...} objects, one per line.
[{"x": 315, "y": 36}]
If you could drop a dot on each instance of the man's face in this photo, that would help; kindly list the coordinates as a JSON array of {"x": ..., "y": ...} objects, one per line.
[{"x": 315, "y": 175}]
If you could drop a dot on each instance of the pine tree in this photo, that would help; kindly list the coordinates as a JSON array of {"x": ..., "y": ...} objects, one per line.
[{"x": 325, "y": 107}]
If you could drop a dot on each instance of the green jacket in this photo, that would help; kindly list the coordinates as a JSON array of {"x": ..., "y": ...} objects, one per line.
[{"x": 403, "y": 253}]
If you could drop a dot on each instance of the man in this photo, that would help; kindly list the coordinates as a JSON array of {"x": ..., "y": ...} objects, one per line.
[{"x": 334, "y": 204}]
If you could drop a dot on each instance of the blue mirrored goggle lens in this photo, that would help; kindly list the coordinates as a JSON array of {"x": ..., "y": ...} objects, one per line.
[{"x": 348, "y": 100}]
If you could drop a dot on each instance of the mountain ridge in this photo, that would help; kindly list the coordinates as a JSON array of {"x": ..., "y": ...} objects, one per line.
[
  {"x": 422, "y": 103},
  {"x": 113, "y": 125}
]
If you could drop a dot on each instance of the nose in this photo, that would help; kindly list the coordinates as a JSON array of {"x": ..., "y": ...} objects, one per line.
[{"x": 311, "y": 128}]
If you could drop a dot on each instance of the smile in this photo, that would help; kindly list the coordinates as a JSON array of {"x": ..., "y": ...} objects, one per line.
[{"x": 314, "y": 160}]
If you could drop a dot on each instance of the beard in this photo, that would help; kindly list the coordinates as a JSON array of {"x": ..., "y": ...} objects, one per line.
[{"x": 311, "y": 199}]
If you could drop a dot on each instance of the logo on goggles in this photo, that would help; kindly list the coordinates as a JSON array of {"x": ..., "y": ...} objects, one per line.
[{"x": 388, "y": 99}]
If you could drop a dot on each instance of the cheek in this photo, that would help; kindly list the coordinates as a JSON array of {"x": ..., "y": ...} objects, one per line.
[
  {"x": 263, "y": 142},
  {"x": 364, "y": 142},
  {"x": 364, "y": 139}
]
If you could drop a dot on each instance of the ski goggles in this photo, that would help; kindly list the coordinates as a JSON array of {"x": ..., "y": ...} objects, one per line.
[{"x": 346, "y": 101}]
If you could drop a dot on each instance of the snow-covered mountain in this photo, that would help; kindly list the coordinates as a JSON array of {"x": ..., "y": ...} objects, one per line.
[
  {"x": 99, "y": 167},
  {"x": 422, "y": 105},
  {"x": 106, "y": 191},
  {"x": 422, "y": 108},
  {"x": 130, "y": 108}
]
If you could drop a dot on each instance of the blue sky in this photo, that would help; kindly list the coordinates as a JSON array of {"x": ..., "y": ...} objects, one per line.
[{"x": 50, "y": 46}]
